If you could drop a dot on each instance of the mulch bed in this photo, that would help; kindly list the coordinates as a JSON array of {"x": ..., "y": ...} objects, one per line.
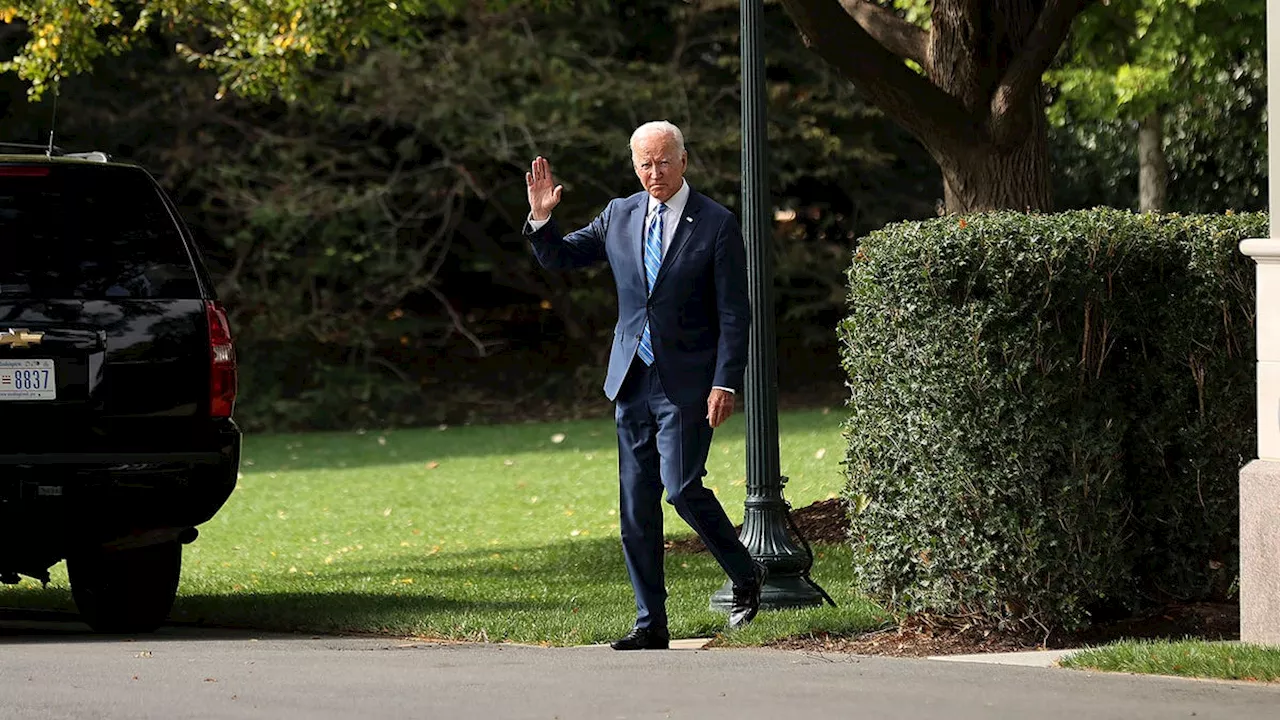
[
  {"x": 825, "y": 522},
  {"x": 821, "y": 522}
]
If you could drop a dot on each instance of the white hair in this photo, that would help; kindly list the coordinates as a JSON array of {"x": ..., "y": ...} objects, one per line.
[{"x": 658, "y": 127}]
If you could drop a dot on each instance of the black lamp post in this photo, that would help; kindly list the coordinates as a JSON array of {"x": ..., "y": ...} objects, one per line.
[{"x": 764, "y": 527}]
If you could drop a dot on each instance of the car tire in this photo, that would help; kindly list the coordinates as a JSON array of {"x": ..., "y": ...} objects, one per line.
[{"x": 125, "y": 591}]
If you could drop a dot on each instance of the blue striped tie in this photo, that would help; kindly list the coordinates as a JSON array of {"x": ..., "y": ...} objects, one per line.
[{"x": 652, "y": 261}]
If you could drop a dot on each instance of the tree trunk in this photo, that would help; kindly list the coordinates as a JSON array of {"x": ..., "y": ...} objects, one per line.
[
  {"x": 969, "y": 51},
  {"x": 979, "y": 109},
  {"x": 986, "y": 177},
  {"x": 1153, "y": 167}
]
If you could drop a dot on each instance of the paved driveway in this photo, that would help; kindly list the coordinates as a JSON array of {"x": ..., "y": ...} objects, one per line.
[{"x": 51, "y": 668}]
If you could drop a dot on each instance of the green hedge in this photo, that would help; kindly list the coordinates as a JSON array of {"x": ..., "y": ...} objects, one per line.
[{"x": 1048, "y": 412}]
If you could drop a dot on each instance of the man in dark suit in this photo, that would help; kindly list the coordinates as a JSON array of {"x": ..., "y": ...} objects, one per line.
[{"x": 678, "y": 357}]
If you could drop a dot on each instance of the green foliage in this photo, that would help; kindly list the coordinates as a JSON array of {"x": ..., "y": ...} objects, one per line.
[
  {"x": 259, "y": 49},
  {"x": 369, "y": 248},
  {"x": 1216, "y": 147},
  {"x": 1197, "y": 66},
  {"x": 1132, "y": 59},
  {"x": 1048, "y": 412}
]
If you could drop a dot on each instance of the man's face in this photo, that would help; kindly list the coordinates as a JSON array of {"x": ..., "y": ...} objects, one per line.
[{"x": 658, "y": 165}]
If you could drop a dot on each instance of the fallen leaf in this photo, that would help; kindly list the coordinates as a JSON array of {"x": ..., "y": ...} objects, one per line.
[
  {"x": 822, "y": 452},
  {"x": 433, "y": 465}
]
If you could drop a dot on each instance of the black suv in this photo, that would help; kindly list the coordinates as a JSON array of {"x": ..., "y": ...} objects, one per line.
[{"x": 117, "y": 383}]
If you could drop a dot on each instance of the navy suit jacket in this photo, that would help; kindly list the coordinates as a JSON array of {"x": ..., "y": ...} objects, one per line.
[{"x": 699, "y": 314}]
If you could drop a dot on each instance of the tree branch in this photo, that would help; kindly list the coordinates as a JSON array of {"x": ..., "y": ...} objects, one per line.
[
  {"x": 908, "y": 98},
  {"x": 902, "y": 38},
  {"x": 1008, "y": 103}
]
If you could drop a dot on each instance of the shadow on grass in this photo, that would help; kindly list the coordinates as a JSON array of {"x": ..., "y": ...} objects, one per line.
[
  {"x": 567, "y": 592},
  {"x": 464, "y": 595},
  {"x": 348, "y": 450},
  {"x": 243, "y": 616}
]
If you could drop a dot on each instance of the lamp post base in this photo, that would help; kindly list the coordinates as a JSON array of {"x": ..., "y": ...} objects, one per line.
[
  {"x": 790, "y": 591},
  {"x": 764, "y": 533}
]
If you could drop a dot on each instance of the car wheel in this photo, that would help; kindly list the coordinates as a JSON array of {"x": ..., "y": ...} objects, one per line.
[{"x": 125, "y": 591}]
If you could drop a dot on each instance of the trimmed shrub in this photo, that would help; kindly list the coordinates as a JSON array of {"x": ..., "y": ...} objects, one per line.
[{"x": 1048, "y": 412}]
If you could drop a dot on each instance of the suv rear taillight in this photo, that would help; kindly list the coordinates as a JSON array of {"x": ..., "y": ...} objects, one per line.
[{"x": 222, "y": 352}]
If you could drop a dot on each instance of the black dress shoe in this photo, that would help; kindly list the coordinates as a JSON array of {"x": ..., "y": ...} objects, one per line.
[
  {"x": 643, "y": 639},
  {"x": 746, "y": 599}
]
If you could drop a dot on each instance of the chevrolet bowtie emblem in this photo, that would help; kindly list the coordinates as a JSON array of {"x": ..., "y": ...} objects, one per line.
[{"x": 20, "y": 338}]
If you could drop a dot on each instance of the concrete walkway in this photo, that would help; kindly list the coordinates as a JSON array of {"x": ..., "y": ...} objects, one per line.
[
  {"x": 1033, "y": 658},
  {"x": 61, "y": 672}
]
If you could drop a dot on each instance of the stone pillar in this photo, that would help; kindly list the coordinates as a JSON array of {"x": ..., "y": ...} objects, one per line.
[{"x": 1260, "y": 480}]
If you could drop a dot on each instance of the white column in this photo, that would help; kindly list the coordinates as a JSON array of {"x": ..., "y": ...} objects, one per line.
[
  {"x": 1266, "y": 252},
  {"x": 1260, "y": 480}
]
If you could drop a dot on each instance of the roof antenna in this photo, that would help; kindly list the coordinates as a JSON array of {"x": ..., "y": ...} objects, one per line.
[{"x": 53, "y": 122}]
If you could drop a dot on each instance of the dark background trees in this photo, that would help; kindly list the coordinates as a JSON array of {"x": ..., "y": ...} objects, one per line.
[{"x": 366, "y": 235}]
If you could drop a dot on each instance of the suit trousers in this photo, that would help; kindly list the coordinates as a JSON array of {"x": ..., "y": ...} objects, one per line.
[{"x": 665, "y": 445}]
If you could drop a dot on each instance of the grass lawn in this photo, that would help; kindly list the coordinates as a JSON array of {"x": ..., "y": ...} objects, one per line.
[
  {"x": 480, "y": 533},
  {"x": 1190, "y": 658}
]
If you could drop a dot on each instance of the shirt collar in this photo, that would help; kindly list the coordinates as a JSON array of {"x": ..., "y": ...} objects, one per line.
[{"x": 676, "y": 203}]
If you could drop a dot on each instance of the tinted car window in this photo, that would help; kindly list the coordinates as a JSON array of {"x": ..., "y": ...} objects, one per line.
[{"x": 82, "y": 231}]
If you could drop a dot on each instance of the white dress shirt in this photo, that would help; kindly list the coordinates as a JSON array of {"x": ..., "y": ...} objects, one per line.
[{"x": 671, "y": 220}]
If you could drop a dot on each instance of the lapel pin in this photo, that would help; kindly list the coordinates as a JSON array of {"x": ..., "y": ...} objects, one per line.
[{"x": 688, "y": 219}]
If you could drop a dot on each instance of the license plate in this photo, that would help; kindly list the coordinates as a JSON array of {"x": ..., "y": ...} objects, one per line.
[{"x": 27, "y": 380}]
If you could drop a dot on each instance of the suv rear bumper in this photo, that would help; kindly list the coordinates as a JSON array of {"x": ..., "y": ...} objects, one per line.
[{"x": 54, "y": 502}]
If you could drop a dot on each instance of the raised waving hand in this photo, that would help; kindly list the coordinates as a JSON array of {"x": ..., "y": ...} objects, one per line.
[{"x": 544, "y": 193}]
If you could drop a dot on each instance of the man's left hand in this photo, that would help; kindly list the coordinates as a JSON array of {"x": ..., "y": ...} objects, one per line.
[{"x": 719, "y": 407}]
